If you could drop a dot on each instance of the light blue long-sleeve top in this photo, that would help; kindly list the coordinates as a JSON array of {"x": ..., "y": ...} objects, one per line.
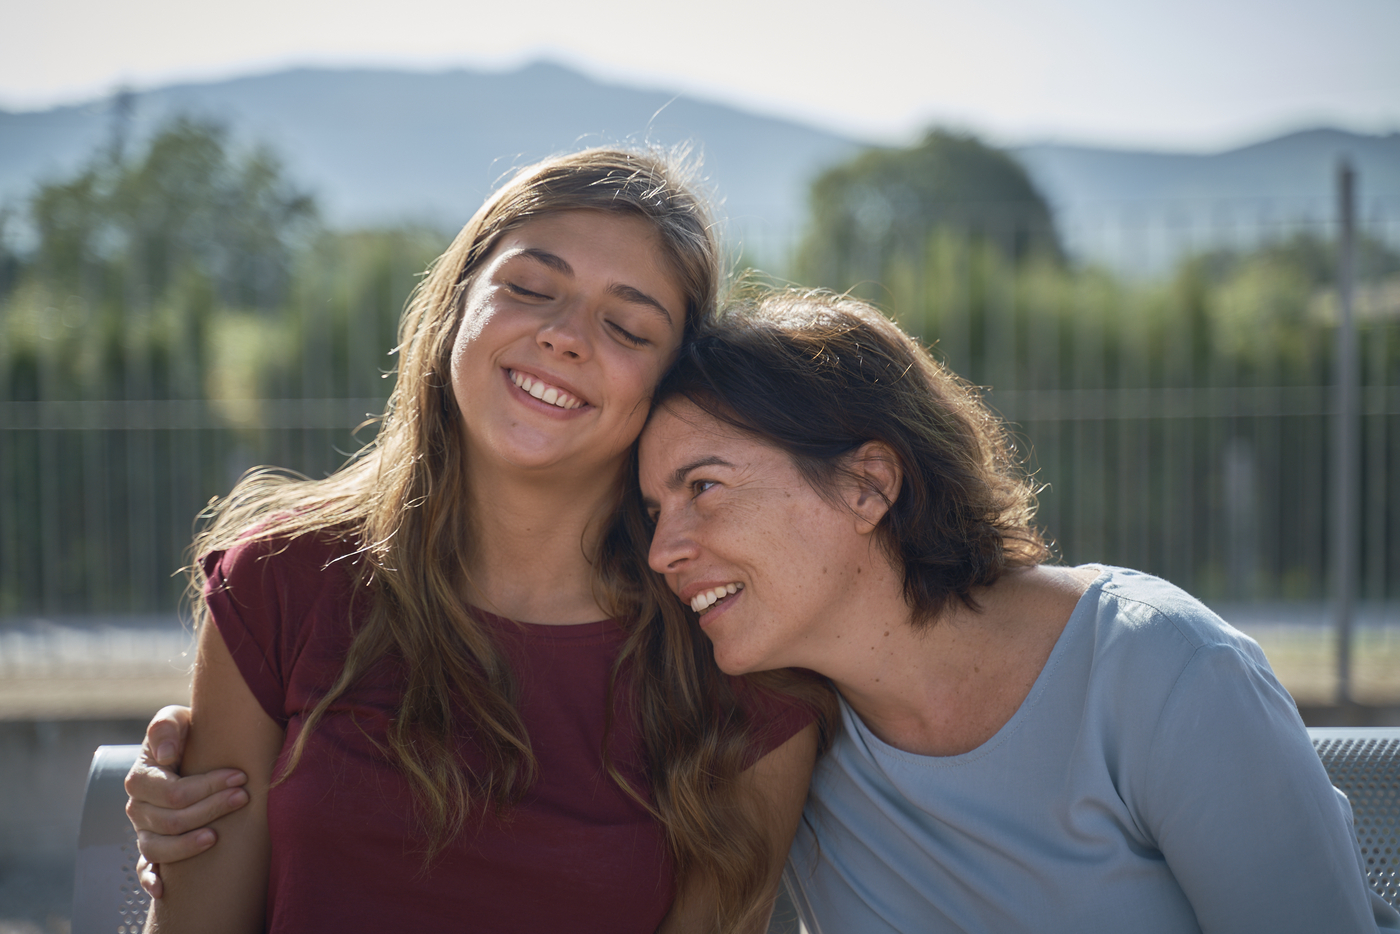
[{"x": 1157, "y": 778}]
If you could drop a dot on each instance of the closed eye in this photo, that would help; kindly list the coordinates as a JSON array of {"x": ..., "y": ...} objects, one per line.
[
  {"x": 627, "y": 335},
  {"x": 514, "y": 289}
]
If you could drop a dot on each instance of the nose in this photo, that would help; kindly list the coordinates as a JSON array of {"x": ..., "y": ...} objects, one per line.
[
  {"x": 672, "y": 545},
  {"x": 566, "y": 332}
]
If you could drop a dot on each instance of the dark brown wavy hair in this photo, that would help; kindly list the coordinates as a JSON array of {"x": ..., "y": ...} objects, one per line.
[
  {"x": 403, "y": 502},
  {"x": 818, "y": 375}
]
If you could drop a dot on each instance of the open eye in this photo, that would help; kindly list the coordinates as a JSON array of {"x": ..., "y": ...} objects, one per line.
[{"x": 699, "y": 486}]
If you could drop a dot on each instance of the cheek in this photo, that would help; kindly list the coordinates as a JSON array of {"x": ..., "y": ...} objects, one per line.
[
  {"x": 477, "y": 314},
  {"x": 631, "y": 381},
  {"x": 461, "y": 364}
]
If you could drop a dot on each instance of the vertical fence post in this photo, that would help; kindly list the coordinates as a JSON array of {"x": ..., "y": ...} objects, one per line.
[{"x": 1345, "y": 433}]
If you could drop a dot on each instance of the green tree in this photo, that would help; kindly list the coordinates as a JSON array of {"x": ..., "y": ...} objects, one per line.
[
  {"x": 168, "y": 318},
  {"x": 885, "y": 204},
  {"x": 189, "y": 204},
  {"x": 133, "y": 255}
]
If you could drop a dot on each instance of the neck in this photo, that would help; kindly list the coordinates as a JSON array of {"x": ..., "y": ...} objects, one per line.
[
  {"x": 537, "y": 539},
  {"x": 901, "y": 679},
  {"x": 870, "y": 649},
  {"x": 948, "y": 686}
]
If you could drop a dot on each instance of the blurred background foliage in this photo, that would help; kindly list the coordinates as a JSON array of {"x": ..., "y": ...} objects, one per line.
[{"x": 173, "y": 316}]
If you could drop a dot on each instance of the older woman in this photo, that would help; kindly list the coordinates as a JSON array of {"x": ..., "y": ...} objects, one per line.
[{"x": 1026, "y": 747}]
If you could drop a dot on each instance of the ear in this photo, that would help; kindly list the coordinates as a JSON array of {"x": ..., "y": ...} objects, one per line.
[{"x": 876, "y": 478}]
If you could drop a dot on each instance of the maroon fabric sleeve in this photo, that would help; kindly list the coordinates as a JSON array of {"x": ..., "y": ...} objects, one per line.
[
  {"x": 242, "y": 605},
  {"x": 267, "y": 598},
  {"x": 775, "y": 717}
]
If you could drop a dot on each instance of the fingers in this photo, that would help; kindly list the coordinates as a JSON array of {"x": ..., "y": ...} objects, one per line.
[
  {"x": 174, "y": 820},
  {"x": 149, "y": 874},
  {"x": 152, "y": 785},
  {"x": 156, "y": 848},
  {"x": 165, "y": 736}
]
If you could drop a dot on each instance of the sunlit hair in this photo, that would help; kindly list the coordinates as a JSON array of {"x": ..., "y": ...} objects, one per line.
[
  {"x": 404, "y": 502},
  {"x": 818, "y": 375}
]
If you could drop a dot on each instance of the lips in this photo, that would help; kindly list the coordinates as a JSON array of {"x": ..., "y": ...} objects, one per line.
[
  {"x": 708, "y": 597},
  {"x": 545, "y": 391}
]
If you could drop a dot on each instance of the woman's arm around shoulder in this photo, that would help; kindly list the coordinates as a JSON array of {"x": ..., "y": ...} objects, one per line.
[
  {"x": 223, "y": 889},
  {"x": 1243, "y": 811},
  {"x": 774, "y": 790}
]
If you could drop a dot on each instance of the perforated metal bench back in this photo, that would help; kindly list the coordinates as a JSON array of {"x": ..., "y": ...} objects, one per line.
[
  {"x": 1365, "y": 764},
  {"x": 107, "y": 897}
]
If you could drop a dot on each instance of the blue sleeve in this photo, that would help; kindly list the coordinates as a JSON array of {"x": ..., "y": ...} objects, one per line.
[{"x": 1242, "y": 809}]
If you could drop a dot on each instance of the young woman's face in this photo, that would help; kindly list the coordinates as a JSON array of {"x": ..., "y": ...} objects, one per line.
[
  {"x": 732, "y": 513},
  {"x": 568, "y": 326}
]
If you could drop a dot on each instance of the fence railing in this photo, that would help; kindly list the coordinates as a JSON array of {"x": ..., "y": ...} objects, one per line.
[{"x": 1179, "y": 421}]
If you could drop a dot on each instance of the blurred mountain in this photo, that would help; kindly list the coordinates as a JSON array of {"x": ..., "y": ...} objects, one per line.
[
  {"x": 386, "y": 146},
  {"x": 379, "y": 146},
  {"x": 1139, "y": 212},
  {"x": 1295, "y": 170}
]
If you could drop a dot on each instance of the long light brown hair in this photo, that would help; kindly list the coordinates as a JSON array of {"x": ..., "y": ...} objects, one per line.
[{"x": 403, "y": 501}]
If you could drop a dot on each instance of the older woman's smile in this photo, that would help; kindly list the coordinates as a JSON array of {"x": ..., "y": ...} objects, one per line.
[{"x": 705, "y": 599}]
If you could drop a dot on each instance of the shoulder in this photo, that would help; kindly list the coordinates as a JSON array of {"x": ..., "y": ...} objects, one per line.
[
  {"x": 274, "y": 586},
  {"x": 1155, "y": 661},
  {"x": 1142, "y": 610},
  {"x": 258, "y": 556}
]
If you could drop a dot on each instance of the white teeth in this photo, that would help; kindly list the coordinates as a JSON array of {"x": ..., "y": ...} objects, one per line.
[
  {"x": 703, "y": 601},
  {"x": 544, "y": 392}
]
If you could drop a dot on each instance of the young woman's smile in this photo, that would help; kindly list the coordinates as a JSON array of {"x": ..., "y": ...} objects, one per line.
[{"x": 566, "y": 329}]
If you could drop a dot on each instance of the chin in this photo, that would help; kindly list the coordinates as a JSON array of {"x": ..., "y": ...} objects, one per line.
[{"x": 734, "y": 661}]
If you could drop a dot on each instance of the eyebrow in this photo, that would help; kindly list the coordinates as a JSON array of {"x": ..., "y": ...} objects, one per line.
[
  {"x": 627, "y": 293},
  {"x": 678, "y": 476}
]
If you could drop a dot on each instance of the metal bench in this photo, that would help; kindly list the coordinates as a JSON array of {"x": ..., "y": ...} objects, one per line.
[
  {"x": 107, "y": 898},
  {"x": 1364, "y": 762}
]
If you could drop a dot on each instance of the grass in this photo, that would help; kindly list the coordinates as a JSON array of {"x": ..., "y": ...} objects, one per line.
[{"x": 1305, "y": 660}]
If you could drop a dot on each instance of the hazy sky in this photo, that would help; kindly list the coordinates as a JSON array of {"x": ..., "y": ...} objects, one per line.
[{"x": 1191, "y": 74}]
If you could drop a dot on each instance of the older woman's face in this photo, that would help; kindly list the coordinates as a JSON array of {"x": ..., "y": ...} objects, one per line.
[
  {"x": 737, "y": 524},
  {"x": 567, "y": 328}
]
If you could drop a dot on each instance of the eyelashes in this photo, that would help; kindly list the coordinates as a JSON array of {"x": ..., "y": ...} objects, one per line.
[{"x": 626, "y": 336}]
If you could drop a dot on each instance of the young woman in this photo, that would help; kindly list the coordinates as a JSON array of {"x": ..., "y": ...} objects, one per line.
[
  {"x": 1026, "y": 748},
  {"x": 458, "y": 697}
]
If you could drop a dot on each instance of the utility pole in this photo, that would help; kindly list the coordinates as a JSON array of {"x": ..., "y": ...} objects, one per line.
[{"x": 1345, "y": 433}]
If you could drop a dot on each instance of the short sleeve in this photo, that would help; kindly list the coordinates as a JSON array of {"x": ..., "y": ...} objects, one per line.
[
  {"x": 1243, "y": 811},
  {"x": 242, "y": 591}
]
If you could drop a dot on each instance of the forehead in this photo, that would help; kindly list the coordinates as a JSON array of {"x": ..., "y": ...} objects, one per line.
[
  {"x": 676, "y": 420},
  {"x": 610, "y": 241},
  {"x": 679, "y": 430}
]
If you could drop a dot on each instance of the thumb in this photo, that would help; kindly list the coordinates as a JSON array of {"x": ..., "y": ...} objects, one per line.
[{"x": 165, "y": 736}]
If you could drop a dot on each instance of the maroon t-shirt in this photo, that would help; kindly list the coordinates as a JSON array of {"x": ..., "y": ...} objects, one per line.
[{"x": 577, "y": 854}]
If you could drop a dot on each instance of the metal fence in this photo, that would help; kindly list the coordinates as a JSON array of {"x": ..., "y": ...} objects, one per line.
[{"x": 1178, "y": 415}]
